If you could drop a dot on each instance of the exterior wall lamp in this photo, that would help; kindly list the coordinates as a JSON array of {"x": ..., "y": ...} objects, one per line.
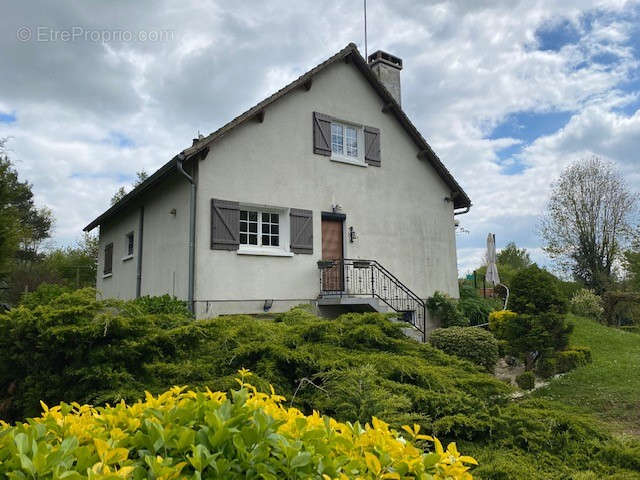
[{"x": 353, "y": 236}]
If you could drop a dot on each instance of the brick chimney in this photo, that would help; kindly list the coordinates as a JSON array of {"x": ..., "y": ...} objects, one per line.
[{"x": 387, "y": 68}]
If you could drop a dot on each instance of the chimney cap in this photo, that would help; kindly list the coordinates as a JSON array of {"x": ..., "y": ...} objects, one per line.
[{"x": 386, "y": 58}]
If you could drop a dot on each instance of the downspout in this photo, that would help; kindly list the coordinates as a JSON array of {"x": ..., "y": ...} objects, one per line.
[
  {"x": 192, "y": 231},
  {"x": 139, "y": 267}
]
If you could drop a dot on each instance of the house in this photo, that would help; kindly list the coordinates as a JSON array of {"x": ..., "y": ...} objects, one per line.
[{"x": 323, "y": 193}]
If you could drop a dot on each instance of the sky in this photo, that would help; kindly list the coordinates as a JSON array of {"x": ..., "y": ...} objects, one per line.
[{"x": 508, "y": 93}]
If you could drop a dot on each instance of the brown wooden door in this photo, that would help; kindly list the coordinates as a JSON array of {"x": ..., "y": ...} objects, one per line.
[{"x": 332, "y": 248}]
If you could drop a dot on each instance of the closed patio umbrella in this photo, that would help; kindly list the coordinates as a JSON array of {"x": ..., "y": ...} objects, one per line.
[{"x": 492, "y": 276}]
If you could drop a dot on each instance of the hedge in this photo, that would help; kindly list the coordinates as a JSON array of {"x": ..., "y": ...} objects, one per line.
[
  {"x": 572, "y": 358},
  {"x": 471, "y": 343},
  {"x": 195, "y": 435}
]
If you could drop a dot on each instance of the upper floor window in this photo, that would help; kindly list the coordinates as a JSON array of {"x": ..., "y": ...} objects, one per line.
[
  {"x": 344, "y": 140},
  {"x": 129, "y": 240},
  {"x": 259, "y": 229},
  {"x": 108, "y": 259}
]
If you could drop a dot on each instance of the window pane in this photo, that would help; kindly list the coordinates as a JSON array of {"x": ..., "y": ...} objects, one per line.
[
  {"x": 243, "y": 226},
  {"x": 243, "y": 214},
  {"x": 243, "y": 238},
  {"x": 253, "y": 227},
  {"x": 253, "y": 239},
  {"x": 265, "y": 217},
  {"x": 275, "y": 241},
  {"x": 352, "y": 141},
  {"x": 275, "y": 218},
  {"x": 265, "y": 228},
  {"x": 275, "y": 229},
  {"x": 253, "y": 216},
  {"x": 336, "y": 138},
  {"x": 265, "y": 240}
]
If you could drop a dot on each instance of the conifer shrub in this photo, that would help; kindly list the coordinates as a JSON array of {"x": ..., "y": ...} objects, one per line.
[
  {"x": 471, "y": 343},
  {"x": 526, "y": 380},
  {"x": 536, "y": 291}
]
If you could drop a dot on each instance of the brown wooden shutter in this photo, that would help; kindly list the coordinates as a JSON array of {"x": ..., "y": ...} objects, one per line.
[
  {"x": 372, "y": 146},
  {"x": 108, "y": 259},
  {"x": 301, "y": 228},
  {"x": 321, "y": 134},
  {"x": 225, "y": 225}
]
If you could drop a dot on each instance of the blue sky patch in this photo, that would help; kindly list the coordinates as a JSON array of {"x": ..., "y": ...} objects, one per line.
[
  {"x": 8, "y": 117},
  {"x": 527, "y": 126},
  {"x": 555, "y": 35}
]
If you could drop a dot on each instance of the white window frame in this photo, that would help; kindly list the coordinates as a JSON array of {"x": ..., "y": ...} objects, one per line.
[
  {"x": 282, "y": 250},
  {"x": 343, "y": 157}
]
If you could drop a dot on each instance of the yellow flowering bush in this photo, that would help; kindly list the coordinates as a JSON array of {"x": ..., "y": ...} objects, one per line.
[
  {"x": 197, "y": 435},
  {"x": 498, "y": 321}
]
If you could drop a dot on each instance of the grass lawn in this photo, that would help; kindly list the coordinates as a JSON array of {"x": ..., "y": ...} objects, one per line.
[{"x": 609, "y": 387}]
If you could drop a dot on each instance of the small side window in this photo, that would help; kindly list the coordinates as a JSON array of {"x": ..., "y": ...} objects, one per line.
[
  {"x": 108, "y": 259},
  {"x": 129, "y": 244}
]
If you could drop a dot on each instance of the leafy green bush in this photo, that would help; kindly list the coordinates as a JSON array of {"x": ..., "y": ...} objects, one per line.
[
  {"x": 535, "y": 291},
  {"x": 587, "y": 304},
  {"x": 445, "y": 309},
  {"x": 526, "y": 380},
  {"x": 471, "y": 343},
  {"x": 208, "y": 435},
  {"x": 572, "y": 358}
]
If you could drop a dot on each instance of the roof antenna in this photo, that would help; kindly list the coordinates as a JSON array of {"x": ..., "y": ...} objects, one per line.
[{"x": 366, "y": 53}]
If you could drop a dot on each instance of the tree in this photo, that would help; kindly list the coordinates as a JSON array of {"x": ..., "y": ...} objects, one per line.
[
  {"x": 632, "y": 266},
  {"x": 587, "y": 221},
  {"x": 23, "y": 227},
  {"x": 514, "y": 257},
  {"x": 141, "y": 176}
]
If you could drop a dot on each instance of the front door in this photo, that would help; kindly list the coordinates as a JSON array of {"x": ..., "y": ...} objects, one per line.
[{"x": 332, "y": 248}]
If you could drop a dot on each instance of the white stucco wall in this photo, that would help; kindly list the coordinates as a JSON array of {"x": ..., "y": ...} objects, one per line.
[
  {"x": 165, "y": 243},
  {"x": 398, "y": 210}
]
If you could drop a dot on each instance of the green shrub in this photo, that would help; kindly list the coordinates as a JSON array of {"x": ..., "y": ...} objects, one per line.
[
  {"x": 162, "y": 304},
  {"x": 543, "y": 333},
  {"x": 534, "y": 291},
  {"x": 546, "y": 367},
  {"x": 526, "y": 380},
  {"x": 573, "y": 358},
  {"x": 43, "y": 295},
  {"x": 586, "y": 352},
  {"x": 477, "y": 309},
  {"x": 471, "y": 343},
  {"x": 587, "y": 304},
  {"x": 445, "y": 309},
  {"x": 498, "y": 321}
]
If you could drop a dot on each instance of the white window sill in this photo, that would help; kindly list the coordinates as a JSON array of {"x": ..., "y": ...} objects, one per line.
[
  {"x": 267, "y": 252},
  {"x": 356, "y": 162},
  {"x": 107, "y": 275},
  {"x": 128, "y": 257}
]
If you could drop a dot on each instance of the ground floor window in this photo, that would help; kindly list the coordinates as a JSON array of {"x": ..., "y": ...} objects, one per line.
[
  {"x": 259, "y": 228},
  {"x": 108, "y": 259}
]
